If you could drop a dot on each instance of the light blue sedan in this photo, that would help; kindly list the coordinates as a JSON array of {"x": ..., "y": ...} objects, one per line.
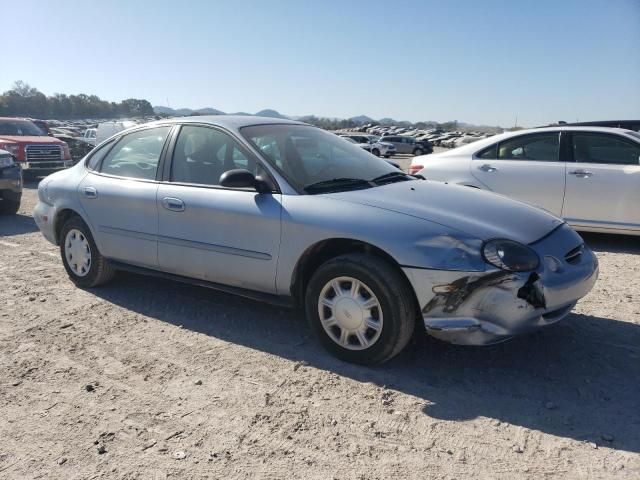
[{"x": 288, "y": 213}]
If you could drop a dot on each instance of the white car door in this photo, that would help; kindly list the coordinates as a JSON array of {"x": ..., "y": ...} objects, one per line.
[
  {"x": 527, "y": 168},
  {"x": 603, "y": 182}
]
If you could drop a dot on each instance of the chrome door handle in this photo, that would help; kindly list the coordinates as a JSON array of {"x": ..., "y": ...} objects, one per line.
[
  {"x": 581, "y": 173},
  {"x": 90, "y": 192},
  {"x": 173, "y": 204},
  {"x": 487, "y": 168}
]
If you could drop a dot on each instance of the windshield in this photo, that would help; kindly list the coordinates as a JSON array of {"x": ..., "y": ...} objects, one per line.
[
  {"x": 20, "y": 128},
  {"x": 306, "y": 155}
]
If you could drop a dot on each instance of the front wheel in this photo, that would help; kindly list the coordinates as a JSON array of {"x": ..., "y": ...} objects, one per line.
[
  {"x": 83, "y": 262},
  {"x": 361, "y": 308},
  {"x": 376, "y": 152},
  {"x": 417, "y": 152}
]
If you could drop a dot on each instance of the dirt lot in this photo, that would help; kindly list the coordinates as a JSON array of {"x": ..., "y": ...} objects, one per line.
[{"x": 150, "y": 379}]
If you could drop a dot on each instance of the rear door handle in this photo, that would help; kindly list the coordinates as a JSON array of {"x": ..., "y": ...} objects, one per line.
[
  {"x": 90, "y": 192},
  {"x": 173, "y": 204},
  {"x": 488, "y": 168},
  {"x": 581, "y": 173}
]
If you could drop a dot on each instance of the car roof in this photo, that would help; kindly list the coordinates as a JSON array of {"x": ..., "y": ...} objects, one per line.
[
  {"x": 230, "y": 122},
  {"x": 485, "y": 142}
]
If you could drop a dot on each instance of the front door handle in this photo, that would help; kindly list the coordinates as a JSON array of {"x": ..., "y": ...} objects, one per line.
[
  {"x": 488, "y": 168},
  {"x": 581, "y": 173},
  {"x": 173, "y": 204},
  {"x": 90, "y": 192}
]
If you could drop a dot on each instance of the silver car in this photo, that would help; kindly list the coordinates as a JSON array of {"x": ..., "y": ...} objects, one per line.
[{"x": 285, "y": 212}]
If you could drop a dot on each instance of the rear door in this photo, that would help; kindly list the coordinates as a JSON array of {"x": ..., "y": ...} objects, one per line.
[
  {"x": 527, "y": 167},
  {"x": 603, "y": 181},
  {"x": 119, "y": 196}
]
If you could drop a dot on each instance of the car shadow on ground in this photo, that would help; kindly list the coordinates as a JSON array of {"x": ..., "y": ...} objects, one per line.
[
  {"x": 602, "y": 242},
  {"x": 19, "y": 224},
  {"x": 577, "y": 379}
]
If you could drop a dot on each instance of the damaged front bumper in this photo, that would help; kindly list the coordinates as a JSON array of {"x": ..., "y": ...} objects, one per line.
[{"x": 481, "y": 308}]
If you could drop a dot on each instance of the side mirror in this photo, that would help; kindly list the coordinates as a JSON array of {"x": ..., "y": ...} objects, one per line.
[{"x": 241, "y": 178}]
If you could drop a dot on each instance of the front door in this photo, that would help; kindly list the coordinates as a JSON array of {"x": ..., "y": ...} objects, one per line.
[
  {"x": 222, "y": 235},
  {"x": 119, "y": 196},
  {"x": 603, "y": 182},
  {"x": 527, "y": 168}
]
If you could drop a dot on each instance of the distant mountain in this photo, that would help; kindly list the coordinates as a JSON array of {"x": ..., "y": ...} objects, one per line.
[
  {"x": 209, "y": 111},
  {"x": 160, "y": 110},
  {"x": 362, "y": 119},
  {"x": 270, "y": 113},
  {"x": 325, "y": 122}
]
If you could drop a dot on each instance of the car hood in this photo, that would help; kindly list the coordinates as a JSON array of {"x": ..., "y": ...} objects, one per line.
[
  {"x": 31, "y": 139},
  {"x": 483, "y": 215}
]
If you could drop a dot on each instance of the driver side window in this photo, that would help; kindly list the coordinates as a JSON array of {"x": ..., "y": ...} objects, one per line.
[
  {"x": 137, "y": 154},
  {"x": 203, "y": 154}
]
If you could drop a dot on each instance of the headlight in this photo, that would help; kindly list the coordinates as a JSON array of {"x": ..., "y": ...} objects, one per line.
[
  {"x": 509, "y": 255},
  {"x": 12, "y": 149},
  {"x": 6, "y": 161}
]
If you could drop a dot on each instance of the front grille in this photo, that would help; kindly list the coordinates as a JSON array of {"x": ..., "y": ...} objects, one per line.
[
  {"x": 573, "y": 256},
  {"x": 43, "y": 153}
]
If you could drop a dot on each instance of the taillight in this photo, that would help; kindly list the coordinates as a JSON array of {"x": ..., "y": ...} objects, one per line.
[{"x": 413, "y": 169}]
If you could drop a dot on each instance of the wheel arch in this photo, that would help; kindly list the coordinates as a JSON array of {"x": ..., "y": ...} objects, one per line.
[
  {"x": 324, "y": 250},
  {"x": 64, "y": 214}
]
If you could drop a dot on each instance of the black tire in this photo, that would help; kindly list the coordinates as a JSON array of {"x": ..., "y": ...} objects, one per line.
[
  {"x": 387, "y": 156},
  {"x": 394, "y": 295},
  {"x": 9, "y": 207},
  {"x": 417, "y": 152},
  {"x": 376, "y": 152},
  {"x": 100, "y": 270}
]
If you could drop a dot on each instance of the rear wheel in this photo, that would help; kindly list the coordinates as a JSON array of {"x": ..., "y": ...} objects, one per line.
[
  {"x": 418, "y": 152},
  {"x": 361, "y": 308},
  {"x": 83, "y": 262},
  {"x": 9, "y": 207}
]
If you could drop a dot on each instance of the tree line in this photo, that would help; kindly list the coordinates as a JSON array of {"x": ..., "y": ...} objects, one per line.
[{"x": 24, "y": 100}]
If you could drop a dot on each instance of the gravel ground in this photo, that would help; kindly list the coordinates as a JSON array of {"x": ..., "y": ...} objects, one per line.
[{"x": 148, "y": 379}]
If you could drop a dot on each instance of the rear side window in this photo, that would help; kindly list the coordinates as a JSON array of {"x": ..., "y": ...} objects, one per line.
[
  {"x": 136, "y": 155},
  {"x": 490, "y": 153},
  {"x": 93, "y": 163},
  {"x": 539, "y": 147},
  {"x": 603, "y": 148}
]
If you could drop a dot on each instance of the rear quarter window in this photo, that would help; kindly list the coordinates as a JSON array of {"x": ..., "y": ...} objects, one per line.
[{"x": 96, "y": 156}]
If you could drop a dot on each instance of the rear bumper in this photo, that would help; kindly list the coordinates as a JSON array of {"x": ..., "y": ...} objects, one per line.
[
  {"x": 44, "y": 215},
  {"x": 481, "y": 308}
]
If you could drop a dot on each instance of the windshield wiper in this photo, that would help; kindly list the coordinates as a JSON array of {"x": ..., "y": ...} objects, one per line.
[
  {"x": 336, "y": 184},
  {"x": 391, "y": 177}
]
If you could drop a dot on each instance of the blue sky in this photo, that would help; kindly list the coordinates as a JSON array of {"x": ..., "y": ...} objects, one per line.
[{"x": 484, "y": 62}]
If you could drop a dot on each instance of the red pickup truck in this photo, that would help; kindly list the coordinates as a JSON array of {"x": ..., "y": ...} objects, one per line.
[{"x": 35, "y": 151}]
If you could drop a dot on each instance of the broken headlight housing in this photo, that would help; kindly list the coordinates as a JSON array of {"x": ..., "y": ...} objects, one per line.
[{"x": 509, "y": 255}]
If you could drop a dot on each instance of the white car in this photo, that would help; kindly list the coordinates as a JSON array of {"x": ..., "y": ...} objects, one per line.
[
  {"x": 89, "y": 136},
  {"x": 372, "y": 143},
  {"x": 588, "y": 175}
]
